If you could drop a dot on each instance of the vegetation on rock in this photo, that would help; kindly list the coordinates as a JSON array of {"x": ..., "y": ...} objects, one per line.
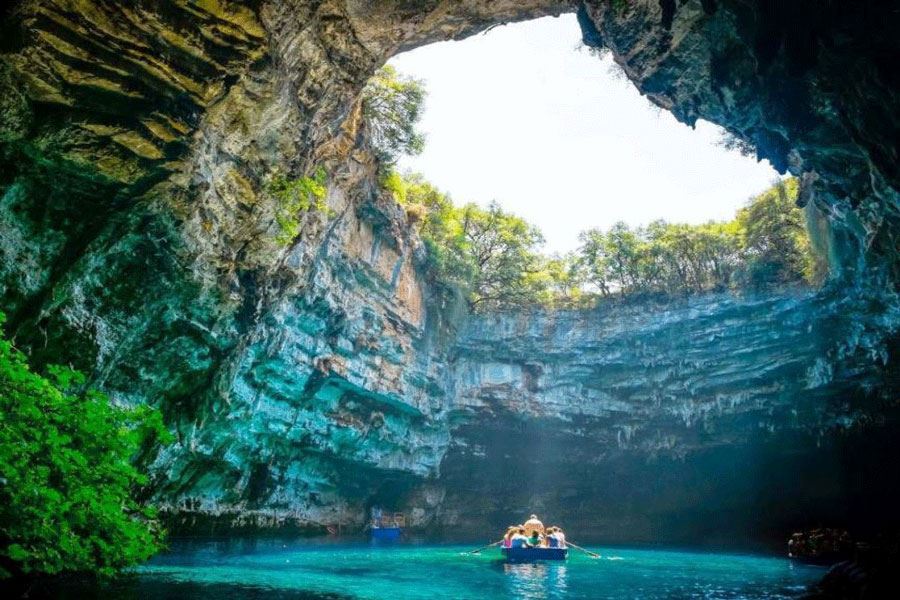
[
  {"x": 392, "y": 106},
  {"x": 775, "y": 239},
  {"x": 490, "y": 254},
  {"x": 293, "y": 197},
  {"x": 67, "y": 491},
  {"x": 493, "y": 256},
  {"x": 767, "y": 244}
]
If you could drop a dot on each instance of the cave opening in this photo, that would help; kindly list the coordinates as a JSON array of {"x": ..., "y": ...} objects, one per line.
[{"x": 529, "y": 116}]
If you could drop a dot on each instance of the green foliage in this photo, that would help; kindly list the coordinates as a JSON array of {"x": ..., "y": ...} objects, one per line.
[
  {"x": 776, "y": 240},
  {"x": 488, "y": 254},
  {"x": 563, "y": 281},
  {"x": 392, "y": 107},
  {"x": 293, "y": 197},
  {"x": 662, "y": 257},
  {"x": 502, "y": 250},
  {"x": 66, "y": 491},
  {"x": 440, "y": 227},
  {"x": 766, "y": 244},
  {"x": 492, "y": 256}
]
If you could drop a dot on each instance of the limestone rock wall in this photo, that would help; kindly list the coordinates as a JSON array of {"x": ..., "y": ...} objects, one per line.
[{"x": 638, "y": 421}]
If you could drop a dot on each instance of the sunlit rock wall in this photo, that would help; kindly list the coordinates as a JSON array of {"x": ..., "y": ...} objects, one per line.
[{"x": 679, "y": 421}]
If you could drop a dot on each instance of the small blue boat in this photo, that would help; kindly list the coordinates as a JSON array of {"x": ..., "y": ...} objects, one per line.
[
  {"x": 385, "y": 533},
  {"x": 386, "y": 526},
  {"x": 533, "y": 554}
]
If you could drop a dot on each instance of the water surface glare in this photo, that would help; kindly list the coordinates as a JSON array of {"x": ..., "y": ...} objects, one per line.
[{"x": 276, "y": 569}]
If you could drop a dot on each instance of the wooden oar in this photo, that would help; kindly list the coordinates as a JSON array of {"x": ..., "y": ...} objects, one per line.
[
  {"x": 588, "y": 552},
  {"x": 477, "y": 550}
]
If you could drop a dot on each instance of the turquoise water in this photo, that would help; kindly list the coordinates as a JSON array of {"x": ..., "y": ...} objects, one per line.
[
  {"x": 313, "y": 570},
  {"x": 337, "y": 570}
]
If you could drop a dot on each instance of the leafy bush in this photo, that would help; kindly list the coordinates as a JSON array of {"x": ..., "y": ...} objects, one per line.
[
  {"x": 392, "y": 106},
  {"x": 294, "y": 197},
  {"x": 776, "y": 240},
  {"x": 67, "y": 484}
]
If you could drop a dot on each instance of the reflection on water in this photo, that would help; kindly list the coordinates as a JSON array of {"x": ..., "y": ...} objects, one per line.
[{"x": 535, "y": 581}]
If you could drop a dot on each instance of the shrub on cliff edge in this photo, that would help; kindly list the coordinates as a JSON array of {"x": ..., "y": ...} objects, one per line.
[{"x": 66, "y": 476}]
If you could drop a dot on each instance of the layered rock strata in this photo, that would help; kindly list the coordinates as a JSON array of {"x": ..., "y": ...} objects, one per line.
[{"x": 709, "y": 419}]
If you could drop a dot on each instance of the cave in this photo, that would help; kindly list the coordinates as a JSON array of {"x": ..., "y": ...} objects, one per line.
[{"x": 305, "y": 382}]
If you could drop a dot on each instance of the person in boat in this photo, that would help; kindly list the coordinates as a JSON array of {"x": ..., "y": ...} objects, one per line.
[
  {"x": 551, "y": 537},
  {"x": 555, "y": 537},
  {"x": 510, "y": 532},
  {"x": 533, "y": 524},
  {"x": 535, "y": 540},
  {"x": 376, "y": 516},
  {"x": 519, "y": 540},
  {"x": 561, "y": 536}
]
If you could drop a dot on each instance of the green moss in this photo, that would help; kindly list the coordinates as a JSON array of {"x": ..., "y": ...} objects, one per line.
[{"x": 619, "y": 5}]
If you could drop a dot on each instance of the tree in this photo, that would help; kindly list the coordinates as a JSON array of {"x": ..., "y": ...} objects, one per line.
[
  {"x": 720, "y": 249},
  {"x": 624, "y": 248},
  {"x": 493, "y": 257},
  {"x": 775, "y": 239},
  {"x": 439, "y": 225},
  {"x": 594, "y": 260},
  {"x": 615, "y": 260},
  {"x": 503, "y": 252},
  {"x": 564, "y": 280},
  {"x": 488, "y": 254},
  {"x": 766, "y": 244},
  {"x": 392, "y": 106},
  {"x": 66, "y": 492}
]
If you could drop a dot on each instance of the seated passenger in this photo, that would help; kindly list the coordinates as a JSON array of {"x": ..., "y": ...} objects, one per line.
[
  {"x": 535, "y": 540},
  {"x": 552, "y": 540},
  {"x": 560, "y": 537},
  {"x": 507, "y": 538},
  {"x": 518, "y": 540}
]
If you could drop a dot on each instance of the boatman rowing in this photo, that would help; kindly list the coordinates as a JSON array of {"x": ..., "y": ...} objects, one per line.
[{"x": 532, "y": 525}]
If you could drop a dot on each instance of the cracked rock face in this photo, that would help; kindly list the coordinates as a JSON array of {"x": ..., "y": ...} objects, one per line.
[{"x": 306, "y": 382}]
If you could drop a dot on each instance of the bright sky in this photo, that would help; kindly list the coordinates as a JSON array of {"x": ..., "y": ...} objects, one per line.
[{"x": 521, "y": 115}]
